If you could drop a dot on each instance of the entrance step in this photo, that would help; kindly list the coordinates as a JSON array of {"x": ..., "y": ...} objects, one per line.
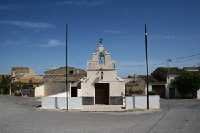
[{"x": 102, "y": 108}]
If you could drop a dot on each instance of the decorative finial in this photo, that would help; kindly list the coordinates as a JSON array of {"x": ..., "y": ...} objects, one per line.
[{"x": 101, "y": 40}]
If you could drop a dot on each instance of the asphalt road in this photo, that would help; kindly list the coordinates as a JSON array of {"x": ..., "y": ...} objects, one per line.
[{"x": 18, "y": 115}]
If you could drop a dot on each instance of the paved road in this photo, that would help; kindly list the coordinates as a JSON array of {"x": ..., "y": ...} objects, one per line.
[{"x": 17, "y": 115}]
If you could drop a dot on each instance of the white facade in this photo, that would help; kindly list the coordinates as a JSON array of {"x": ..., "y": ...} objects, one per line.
[
  {"x": 150, "y": 88},
  {"x": 140, "y": 102},
  {"x": 170, "y": 78},
  {"x": 117, "y": 86},
  {"x": 101, "y": 69},
  {"x": 40, "y": 91},
  {"x": 198, "y": 94}
]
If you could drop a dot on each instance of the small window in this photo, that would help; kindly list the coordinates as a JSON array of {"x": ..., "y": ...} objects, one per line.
[
  {"x": 102, "y": 75},
  {"x": 101, "y": 58},
  {"x": 74, "y": 92},
  {"x": 71, "y": 72},
  {"x": 114, "y": 65}
]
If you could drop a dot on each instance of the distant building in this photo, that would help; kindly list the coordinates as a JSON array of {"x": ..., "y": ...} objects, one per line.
[
  {"x": 191, "y": 69},
  {"x": 21, "y": 71},
  {"x": 55, "y": 81},
  {"x": 162, "y": 87},
  {"x": 25, "y": 80},
  {"x": 135, "y": 85}
]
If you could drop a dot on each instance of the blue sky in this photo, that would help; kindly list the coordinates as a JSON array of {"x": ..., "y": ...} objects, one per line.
[{"x": 33, "y": 32}]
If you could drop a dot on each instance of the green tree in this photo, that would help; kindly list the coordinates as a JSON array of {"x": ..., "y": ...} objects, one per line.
[
  {"x": 5, "y": 84},
  {"x": 161, "y": 72},
  {"x": 17, "y": 88},
  {"x": 187, "y": 84}
]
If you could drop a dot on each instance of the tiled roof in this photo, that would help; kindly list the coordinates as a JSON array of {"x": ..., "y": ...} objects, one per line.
[
  {"x": 33, "y": 79},
  {"x": 59, "y": 74}
]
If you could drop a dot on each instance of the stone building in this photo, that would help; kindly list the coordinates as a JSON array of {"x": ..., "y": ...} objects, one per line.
[
  {"x": 102, "y": 85},
  {"x": 55, "y": 81},
  {"x": 24, "y": 81},
  {"x": 21, "y": 71},
  {"x": 161, "y": 79}
]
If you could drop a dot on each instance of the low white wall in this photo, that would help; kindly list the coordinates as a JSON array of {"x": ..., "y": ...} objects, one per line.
[
  {"x": 48, "y": 103},
  {"x": 130, "y": 102},
  {"x": 75, "y": 103},
  {"x": 198, "y": 94},
  {"x": 154, "y": 102},
  {"x": 61, "y": 103},
  {"x": 140, "y": 102}
]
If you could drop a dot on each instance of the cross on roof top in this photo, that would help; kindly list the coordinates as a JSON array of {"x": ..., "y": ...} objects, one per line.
[{"x": 101, "y": 40}]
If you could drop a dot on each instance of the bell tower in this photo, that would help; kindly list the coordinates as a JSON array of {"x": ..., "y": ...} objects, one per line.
[
  {"x": 101, "y": 59},
  {"x": 102, "y": 84}
]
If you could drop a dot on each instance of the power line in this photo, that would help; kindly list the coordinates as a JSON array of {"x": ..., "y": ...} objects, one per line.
[
  {"x": 173, "y": 60},
  {"x": 185, "y": 60},
  {"x": 185, "y": 57}
]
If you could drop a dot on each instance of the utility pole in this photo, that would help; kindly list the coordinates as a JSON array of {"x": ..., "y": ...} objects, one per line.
[
  {"x": 168, "y": 82},
  {"x": 147, "y": 69},
  {"x": 66, "y": 80},
  {"x": 10, "y": 89}
]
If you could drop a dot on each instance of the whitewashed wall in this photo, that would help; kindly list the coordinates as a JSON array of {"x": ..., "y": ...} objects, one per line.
[
  {"x": 39, "y": 91},
  {"x": 198, "y": 94},
  {"x": 48, "y": 103},
  {"x": 116, "y": 88},
  {"x": 60, "y": 103},
  {"x": 130, "y": 102},
  {"x": 140, "y": 102},
  {"x": 150, "y": 88}
]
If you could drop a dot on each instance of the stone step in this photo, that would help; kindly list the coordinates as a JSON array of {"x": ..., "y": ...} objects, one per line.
[{"x": 94, "y": 108}]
